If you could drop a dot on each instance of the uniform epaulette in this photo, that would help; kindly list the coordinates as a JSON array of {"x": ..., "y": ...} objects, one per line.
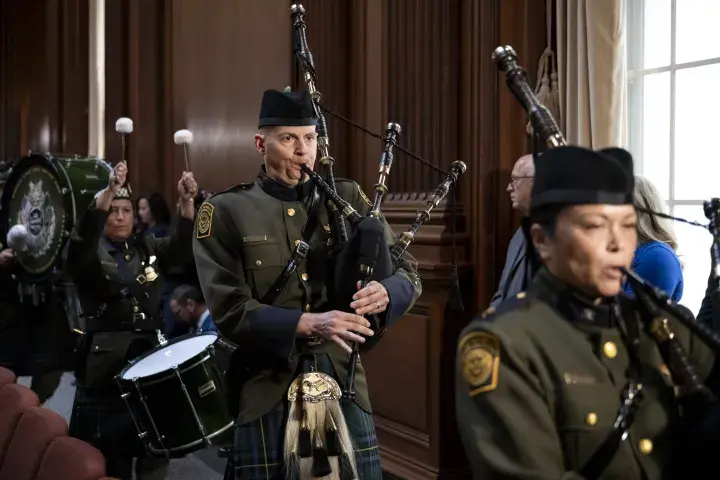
[
  {"x": 344, "y": 180},
  {"x": 234, "y": 188},
  {"x": 507, "y": 305}
]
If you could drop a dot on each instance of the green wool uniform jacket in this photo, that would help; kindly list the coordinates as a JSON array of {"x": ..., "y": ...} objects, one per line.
[{"x": 539, "y": 386}]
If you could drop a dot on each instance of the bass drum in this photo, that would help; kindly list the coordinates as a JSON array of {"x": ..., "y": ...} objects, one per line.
[{"x": 48, "y": 194}]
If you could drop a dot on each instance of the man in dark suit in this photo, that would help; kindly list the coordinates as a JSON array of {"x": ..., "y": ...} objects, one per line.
[
  {"x": 188, "y": 306},
  {"x": 515, "y": 274}
]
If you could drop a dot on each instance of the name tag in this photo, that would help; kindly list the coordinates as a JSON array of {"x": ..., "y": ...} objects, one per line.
[
  {"x": 255, "y": 239},
  {"x": 578, "y": 379}
]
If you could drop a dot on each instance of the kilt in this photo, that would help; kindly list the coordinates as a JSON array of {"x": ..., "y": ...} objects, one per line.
[
  {"x": 257, "y": 448},
  {"x": 101, "y": 418}
]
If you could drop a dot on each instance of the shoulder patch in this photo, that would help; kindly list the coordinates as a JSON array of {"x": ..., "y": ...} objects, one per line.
[
  {"x": 363, "y": 196},
  {"x": 203, "y": 223},
  {"x": 480, "y": 356}
]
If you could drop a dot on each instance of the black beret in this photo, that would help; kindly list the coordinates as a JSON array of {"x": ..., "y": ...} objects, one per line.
[
  {"x": 124, "y": 193},
  {"x": 578, "y": 176},
  {"x": 287, "y": 109}
]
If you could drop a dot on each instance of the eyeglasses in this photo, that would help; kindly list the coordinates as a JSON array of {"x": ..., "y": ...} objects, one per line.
[{"x": 515, "y": 179}]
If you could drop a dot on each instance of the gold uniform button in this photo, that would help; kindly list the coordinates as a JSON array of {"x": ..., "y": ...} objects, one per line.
[
  {"x": 591, "y": 418},
  {"x": 521, "y": 295},
  {"x": 305, "y": 277},
  {"x": 307, "y": 307},
  {"x": 610, "y": 350},
  {"x": 127, "y": 257},
  {"x": 645, "y": 446},
  {"x": 291, "y": 211},
  {"x": 258, "y": 263},
  {"x": 135, "y": 309},
  {"x": 297, "y": 242}
]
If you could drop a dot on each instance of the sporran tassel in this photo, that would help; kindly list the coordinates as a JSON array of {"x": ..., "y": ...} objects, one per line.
[
  {"x": 332, "y": 442},
  {"x": 346, "y": 470},
  {"x": 321, "y": 462},
  {"x": 316, "y": 423},
  {"x": 304, "y": 449}
]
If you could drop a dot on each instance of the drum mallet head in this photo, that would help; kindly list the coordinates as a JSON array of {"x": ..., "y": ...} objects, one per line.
[
  {"x": 184, "y": 138},
  {"x": 124, "y": 126},
  {"x": 17, "y": 237}
]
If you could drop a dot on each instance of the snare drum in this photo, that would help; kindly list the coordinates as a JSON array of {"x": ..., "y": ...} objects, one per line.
[
  {"x": 176, "y": 396},
  {"x": 48, "y": 195}
]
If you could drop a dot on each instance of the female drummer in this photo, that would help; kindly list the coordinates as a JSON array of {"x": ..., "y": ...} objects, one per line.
[{"x": 119, "y": 281}]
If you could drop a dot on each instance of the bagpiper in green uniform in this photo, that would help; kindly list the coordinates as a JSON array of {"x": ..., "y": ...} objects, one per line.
[
  {"x": 119, "y": 278},
  {"x": 243, "y": 240},
  {"x": 540, "y": 381}
]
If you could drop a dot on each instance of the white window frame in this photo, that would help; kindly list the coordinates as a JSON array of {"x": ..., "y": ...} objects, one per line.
[{"x": 635, "y": 42}]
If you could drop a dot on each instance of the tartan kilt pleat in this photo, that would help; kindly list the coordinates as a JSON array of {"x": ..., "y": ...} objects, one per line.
[
  {"x": 101, "y": 419},
  {"x": 257, "y": 448}
]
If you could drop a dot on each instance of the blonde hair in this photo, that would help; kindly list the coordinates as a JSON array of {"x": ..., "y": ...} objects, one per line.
[{"x": 651, "y": 227}]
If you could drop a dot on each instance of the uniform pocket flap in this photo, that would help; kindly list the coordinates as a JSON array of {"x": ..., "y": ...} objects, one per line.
[
  {"x": 261, "y": 254},
  {"x": 103, "y": 343},
  {"x": 587, "y": 406}
]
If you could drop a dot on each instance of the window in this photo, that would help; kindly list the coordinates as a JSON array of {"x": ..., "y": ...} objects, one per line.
[{"x": 674, "y": 73}]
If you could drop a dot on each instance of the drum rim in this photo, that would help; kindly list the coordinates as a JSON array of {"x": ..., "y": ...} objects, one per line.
[
  {"x": 53, "y": 162},
  {"x": 159, "y": 347},
  {"x": 24, "y": 164},
  {"x": 191, "y": 447}
]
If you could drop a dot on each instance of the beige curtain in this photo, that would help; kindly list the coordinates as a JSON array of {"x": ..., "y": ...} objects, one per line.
[
  {"x": 96, "y": 100},
  {"x": 591, "y": 58}
]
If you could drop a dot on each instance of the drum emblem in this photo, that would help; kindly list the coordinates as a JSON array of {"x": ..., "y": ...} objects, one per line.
[{"x": 38, "y": 216}]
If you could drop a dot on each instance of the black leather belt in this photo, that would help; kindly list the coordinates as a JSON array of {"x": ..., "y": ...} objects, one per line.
[
  {"x": 318, "y": 362},
  {"x": 138, "y": 322}
]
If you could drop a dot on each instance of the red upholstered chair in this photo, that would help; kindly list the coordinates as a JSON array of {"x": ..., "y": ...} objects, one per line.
[
  {"x": 6, "y": 376},
  {"x": 68, "y": 458},
  {"x": 14, "y": 401},
  {"x": 33, "y": 434}
]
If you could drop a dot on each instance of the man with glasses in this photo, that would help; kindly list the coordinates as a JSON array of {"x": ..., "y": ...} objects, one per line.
[{"x": 515, "y": 274}]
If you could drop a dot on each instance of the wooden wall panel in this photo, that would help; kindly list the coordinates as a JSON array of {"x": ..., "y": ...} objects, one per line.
[
  {"x": 44, "y": 99},
  {"x": 224, "y": 58},
  {"x": 134, "y": 83},
  {"x": 421, "y": 50},
  {"x": 174, "y": 64}
]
